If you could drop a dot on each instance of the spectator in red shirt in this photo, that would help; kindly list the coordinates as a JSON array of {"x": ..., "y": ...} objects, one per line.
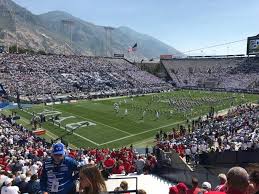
[
  {"x": 182, "y": 188},
  {"x": 113, "y": 154},
  {"x": 127, "y": 167},
  {"x": 40, "y": 152},
  {"x": 195, "y": 189},
  {"x": 119, "y": 168},
  {"x": 72, "y": 154},
  {"x": 109, "y": 164},
  {"x": 222, "y": 182},
  {"x": 173, "y": 190}
]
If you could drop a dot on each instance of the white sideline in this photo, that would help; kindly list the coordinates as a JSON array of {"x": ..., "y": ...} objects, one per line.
[
  {"x": 142, "y": 132},
  {"x": 119, "y": 97}
]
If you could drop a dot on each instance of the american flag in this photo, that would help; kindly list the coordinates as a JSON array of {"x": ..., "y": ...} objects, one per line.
[{"x": 134, "y": 48}]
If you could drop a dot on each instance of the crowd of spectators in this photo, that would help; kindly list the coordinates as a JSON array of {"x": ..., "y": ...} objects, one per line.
[
  {"x": 228, "y": 73},
  {"x": 26, "y": 160},
  {"x": 22, "y": 157},
  {"x": 35, "y": 75},
  {"x": 28, "y": 164},
  {"x": 237, "y": 130},
  {"x": 236, "y": 181}
]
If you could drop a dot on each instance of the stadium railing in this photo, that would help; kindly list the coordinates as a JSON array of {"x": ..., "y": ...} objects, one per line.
[{"x": 125, "y": 178}]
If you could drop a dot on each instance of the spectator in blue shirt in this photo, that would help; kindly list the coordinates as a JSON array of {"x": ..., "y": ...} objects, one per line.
[
  {"x": 58, "y": 174},
  {"x": 33, "y": 186}
]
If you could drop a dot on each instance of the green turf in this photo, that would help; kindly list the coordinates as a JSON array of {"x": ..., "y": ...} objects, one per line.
[{"x": 115, "y": 130}]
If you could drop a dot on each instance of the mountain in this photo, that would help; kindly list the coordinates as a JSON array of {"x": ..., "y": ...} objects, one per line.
[{"x": 60, "y": 32}]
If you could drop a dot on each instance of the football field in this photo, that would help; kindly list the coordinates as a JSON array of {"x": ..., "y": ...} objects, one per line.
[{"x": 128, "y": 120}]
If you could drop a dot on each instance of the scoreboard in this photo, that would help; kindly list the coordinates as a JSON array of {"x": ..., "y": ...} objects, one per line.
[{"x": 253, "y": 45}]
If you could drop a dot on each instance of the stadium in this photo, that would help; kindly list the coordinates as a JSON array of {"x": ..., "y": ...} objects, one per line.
[{"x": 170, "y": 124}]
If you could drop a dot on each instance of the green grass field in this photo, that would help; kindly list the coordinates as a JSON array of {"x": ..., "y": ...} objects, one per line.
[{"x": 110, "y": 129}]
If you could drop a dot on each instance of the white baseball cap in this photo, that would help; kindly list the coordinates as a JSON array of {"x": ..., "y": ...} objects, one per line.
[{"x": 206, "y": 185}]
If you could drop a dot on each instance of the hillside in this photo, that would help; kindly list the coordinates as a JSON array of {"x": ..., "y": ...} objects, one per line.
[{"x": 51, "y": 33}]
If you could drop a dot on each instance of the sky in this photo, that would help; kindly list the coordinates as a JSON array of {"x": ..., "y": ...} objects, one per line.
[{"x": 183, "y": 24}]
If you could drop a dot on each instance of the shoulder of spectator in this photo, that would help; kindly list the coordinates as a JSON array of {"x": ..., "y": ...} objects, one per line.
[{"x": 71, "y": 161}]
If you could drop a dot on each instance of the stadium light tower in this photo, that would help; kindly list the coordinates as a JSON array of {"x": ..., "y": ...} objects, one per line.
[
  {"x": 12, "y": 13},
  {"x": 5, "y": 40},
  {"x": 69, "y": 24},
  {"x": 108, "y": 39}
]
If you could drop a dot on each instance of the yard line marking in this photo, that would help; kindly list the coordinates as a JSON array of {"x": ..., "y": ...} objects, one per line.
[
  {"x": 50, "y": 134},
  {"x": 132, "y": 135},
  {"x": 76, "y": 134},
  {"x": 95, "y": 121}
]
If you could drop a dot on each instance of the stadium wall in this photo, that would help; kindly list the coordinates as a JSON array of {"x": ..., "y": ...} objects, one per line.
[
  {"x": 155, "y": 68},
  {"x": 178, "y": 171}
]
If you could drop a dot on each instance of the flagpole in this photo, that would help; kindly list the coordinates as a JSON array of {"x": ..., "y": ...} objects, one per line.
[{"x": 133, "y": 49}]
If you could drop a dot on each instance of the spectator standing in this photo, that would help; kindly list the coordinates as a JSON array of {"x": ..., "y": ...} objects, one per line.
[{"x": 58, "y": 172}]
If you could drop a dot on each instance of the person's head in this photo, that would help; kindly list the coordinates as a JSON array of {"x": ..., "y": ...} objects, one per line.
[
  {"x": 18, "y": 173},
  {"x": 58, "y": 152},
  {"x": 222, "y": 179},
  {"x": 91, "y": 180},
  {"x": 237, "y": 179},
  {"x": 118, "y": 189},
  {"x": 23, "y": 177},
  {"x": 254, "y": 179},
  {"x": 182, "y": 188},
  {"x": 141, "y": 191},
  {"x": 206, "y": 186},
  {"x": 124, "y": 185},
  {"x": 8, "y": 182},
  {"x": 28, "y": 174},
  {"x": 195, "y": 182},
  {"x": 34, "y": 177}
]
